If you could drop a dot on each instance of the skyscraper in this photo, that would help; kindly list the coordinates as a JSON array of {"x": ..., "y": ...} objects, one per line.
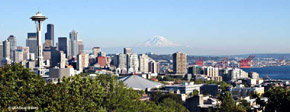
[
  {"x": 18, "y": 55},
  {"x": 26, "y": 53},
  {"x": 31, "y": 42},
  {"x": 127, "y": 50},
  {"x": 55, "y": 57},
  {"x": 62, "y": 44},
  {"x": 82, "y": 61},
  {"x": 1, "y": 51},
  {"x": 144, "y": 60},
  {"x": 12, "y": 41},
  {"x": 62, "y": 60},
  {"x": 73, "y": 44},
  {"x": 49, "y": 36},
  {"x": 96, "y": 51},
  {"x": 81, "y": 46},
  {"x": 122, "y": 62},
  {"x": 80, "y": 67},
  {"x": 47, "y": 53},
  {"x": 132, "y": 63},
  {"x": 102, "y": 61},
  {"x": 153, "y": 67},
  {"x": 6, "y": 49},
  {"x": 179, "y": 63}
]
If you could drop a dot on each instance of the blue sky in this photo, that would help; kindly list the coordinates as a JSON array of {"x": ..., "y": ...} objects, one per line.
[{"x": 207, "y": 26}]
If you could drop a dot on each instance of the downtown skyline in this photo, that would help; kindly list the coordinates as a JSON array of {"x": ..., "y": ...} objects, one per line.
[{"x": 205, "y": 27}]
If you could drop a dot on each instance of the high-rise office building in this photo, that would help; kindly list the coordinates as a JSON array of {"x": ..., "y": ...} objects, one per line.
[
  {"x": 49, "y": 36},
  {"x": 26, "y": 53},
  {"x": 212, "y": 71},
  {"x": 18, "y": 55},
  {"x": 55, "y": 57},
  {"x": 127, "y": 50},
  {"x": 62, "y": 44},
  {"x": 122, "y": 62},
  {"x": 153, "y": 67},
  {"x": 102, "y": 54},
  {"x": 31, "y": 42},
  {"x": 144, "y": 60},
  {"x": 47, "y": 53},
  {"x": 62, "y": 60},
  {"x": 179, "y": 63},
  {"x": 1, "y": 51},
  {"x": 80, "y": 67},
  {"x": 108, "y": 61},
  {"x": 132, "y": 63},
  {"x": 13, "y": 45},
  {"x": 6, "y": 53},
  {"x": 6, "y": 49},
  {"x": 31, "y": 56},
  {"x": 96, "y": 51},
  {"x": 82, "y": 61},
  {"x": 81, "y": 46},
  {"x": 102, "y": 61},
  {"x": 73, "y": 44}
]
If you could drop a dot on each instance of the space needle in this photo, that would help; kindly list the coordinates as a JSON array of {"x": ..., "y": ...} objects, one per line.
[{"x": 38, "y": 19}]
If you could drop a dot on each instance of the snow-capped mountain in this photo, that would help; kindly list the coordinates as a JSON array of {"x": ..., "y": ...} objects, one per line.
[{"x": 158, "y": 41}]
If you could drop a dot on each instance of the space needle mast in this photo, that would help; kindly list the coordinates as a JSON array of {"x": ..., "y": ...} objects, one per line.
[{"x": 38, "y": 19}]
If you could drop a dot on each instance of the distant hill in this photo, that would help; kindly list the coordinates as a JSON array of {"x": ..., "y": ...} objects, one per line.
[{"x": 270, "y": 55}]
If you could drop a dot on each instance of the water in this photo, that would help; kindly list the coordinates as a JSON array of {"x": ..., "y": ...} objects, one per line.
[{"x": 275, "y": 72}]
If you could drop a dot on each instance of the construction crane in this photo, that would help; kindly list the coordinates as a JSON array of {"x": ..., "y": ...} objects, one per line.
[
  {"x": 282, "y": 61},
  {"x": 247, "y": 63},
  {"x": 225, "y": 62}
]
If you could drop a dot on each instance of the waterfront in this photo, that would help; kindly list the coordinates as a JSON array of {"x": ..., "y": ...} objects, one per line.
[{"x": 274, "y": 72}]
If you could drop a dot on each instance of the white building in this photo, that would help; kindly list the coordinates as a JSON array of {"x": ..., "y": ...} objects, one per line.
[
  {"x": 18, "y": 56},
  {"x": 25, "y": 53},
  {"x": 144, "y": 60},
  {"x": 82, "y": 61},
  {"x": 133, "y": 63},
  {"x": 212, "y": 71},
  {"x": 62, "y": 60},
  {"x": 237, "y": 73},
  {"x": 184, "y": 88},
  {"x": 121, "y": 62},
  {"x": 242, "y": 91}
]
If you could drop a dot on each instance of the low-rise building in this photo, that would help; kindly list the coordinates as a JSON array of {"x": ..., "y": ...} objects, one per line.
[
  {"x": 253, "y": 82},
  {"x": 61, "y": 72},
  {"x": 184, "y": 88},
  {"x": 241, "y": 91}
]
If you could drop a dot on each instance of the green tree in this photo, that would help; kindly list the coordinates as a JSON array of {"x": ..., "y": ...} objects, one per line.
[
  {"x": 244, "y": 106},
  {"x": 19, "y": 87},
  {"x": 194, "y": 93},
  {"x": 173, "y": 106},
  {"x": 159, "y": 97},
  {"x": 159, "y": 78},
  {"x": 168, "y": 78},
  {"x": 223, "y": 85},
  {"x": 228, "y": 103},
  {"x": 278, "y": 99}
]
